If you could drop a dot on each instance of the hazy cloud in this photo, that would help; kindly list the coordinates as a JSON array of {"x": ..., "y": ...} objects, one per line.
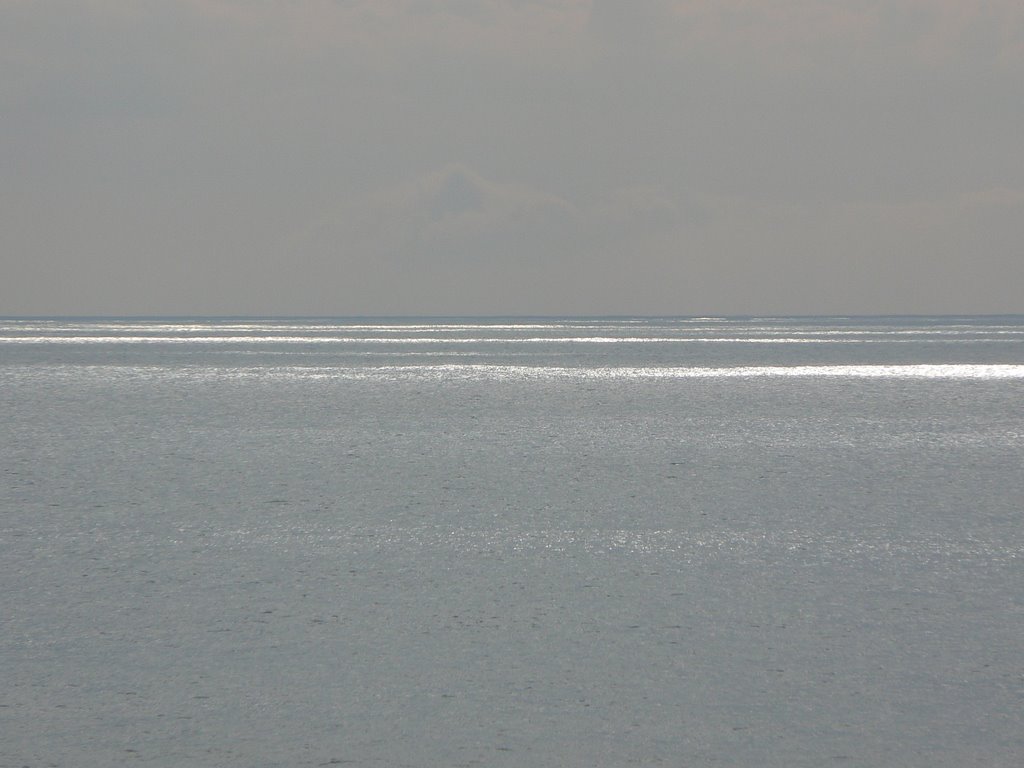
[
  {"x": 553, "y": 155},
  {"x": 445, "y": 213}
]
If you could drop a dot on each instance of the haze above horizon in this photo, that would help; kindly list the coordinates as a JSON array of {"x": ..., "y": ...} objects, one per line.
[{"x": 498, "y": 158}]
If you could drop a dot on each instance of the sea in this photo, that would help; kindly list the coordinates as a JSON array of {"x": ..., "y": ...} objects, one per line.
[{"x": 696, "y": 541}]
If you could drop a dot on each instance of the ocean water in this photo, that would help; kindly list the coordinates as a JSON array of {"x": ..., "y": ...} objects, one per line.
[{"x": 509, "y": 542}]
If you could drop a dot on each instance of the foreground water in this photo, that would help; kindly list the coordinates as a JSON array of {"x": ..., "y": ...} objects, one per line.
[{"x": 689, "y": 542}]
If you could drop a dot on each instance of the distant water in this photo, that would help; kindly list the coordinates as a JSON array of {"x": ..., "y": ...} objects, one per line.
[{"x": 508, "y": 542}]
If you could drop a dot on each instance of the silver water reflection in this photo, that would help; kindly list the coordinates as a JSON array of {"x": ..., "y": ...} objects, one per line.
[{"x": 260, "y": 542}]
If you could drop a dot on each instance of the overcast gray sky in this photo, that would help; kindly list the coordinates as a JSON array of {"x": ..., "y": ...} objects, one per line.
[{"x": 498, "y": 157}]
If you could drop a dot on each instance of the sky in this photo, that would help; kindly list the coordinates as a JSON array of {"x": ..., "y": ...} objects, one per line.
[{"x": 511, "y": 157}]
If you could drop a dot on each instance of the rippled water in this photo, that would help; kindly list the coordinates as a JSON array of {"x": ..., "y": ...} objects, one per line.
[{"x": 551, "y": 542}]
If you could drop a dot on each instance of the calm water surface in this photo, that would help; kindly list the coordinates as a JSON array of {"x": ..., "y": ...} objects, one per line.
[{"x": 543, "y": 542}]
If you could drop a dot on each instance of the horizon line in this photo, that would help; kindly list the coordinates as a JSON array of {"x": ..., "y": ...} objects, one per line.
[{"x": 610, "y": 316}]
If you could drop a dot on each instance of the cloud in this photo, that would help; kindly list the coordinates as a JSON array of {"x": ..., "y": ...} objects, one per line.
[
  {"x": 648, "y": 208},
  {"x": 438, "y": 232},
  {"x": 298, "y": 156},
  {"x": 418, "y": 244},
  {"x": 453, "y": 212}
]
